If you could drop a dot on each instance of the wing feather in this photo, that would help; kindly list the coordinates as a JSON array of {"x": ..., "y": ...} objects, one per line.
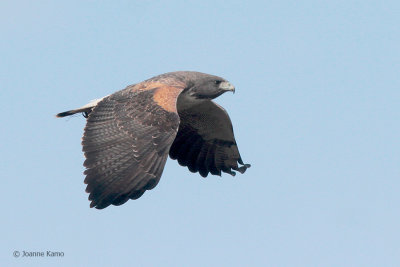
[
  {"x": 205, "y": 141},
  {"x": 210, "y": 159},
  {"x": 126, "y": 143}
]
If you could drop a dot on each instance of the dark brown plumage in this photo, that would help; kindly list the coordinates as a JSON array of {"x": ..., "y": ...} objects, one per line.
[{"x": 130, "y": 133}]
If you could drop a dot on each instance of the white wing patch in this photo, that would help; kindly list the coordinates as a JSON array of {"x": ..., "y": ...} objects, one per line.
[{"x": 92, "y": 103}]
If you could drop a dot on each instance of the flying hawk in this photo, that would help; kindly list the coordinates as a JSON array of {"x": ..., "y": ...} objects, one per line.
[{"x": 129, "y": 134}]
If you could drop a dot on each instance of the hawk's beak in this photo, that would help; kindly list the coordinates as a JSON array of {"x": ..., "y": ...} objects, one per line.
[{"x": 227, "y": 86}]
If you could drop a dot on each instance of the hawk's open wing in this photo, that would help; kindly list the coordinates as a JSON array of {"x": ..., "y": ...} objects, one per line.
[
  {"x": 205, "y": 141},
  {"x": 126, "y": 143}
]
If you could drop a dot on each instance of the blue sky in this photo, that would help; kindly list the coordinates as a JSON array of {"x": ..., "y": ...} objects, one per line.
[{"x": 316, "y": 113}]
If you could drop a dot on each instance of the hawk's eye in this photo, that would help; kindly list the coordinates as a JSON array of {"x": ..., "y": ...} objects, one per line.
[{"x": 217, "y": 82}]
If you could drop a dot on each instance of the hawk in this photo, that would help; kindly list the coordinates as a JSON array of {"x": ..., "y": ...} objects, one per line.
[{"x": 130, "y": 133}]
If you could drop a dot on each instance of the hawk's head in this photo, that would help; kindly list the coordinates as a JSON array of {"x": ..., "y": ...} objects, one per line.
[{"x": 205, "y": 86}]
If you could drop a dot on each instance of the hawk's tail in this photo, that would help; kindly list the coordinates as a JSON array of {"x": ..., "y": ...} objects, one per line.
[
  {"x": 85, "y": 112},
  {"x": 86, "y": 109}
]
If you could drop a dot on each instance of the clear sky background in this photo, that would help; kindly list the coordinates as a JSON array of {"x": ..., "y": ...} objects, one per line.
[{"x": 316, "y": 113}]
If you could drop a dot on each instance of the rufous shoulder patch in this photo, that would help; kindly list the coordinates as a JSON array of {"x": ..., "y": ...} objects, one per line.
[{"x": 166, "y": 97}]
